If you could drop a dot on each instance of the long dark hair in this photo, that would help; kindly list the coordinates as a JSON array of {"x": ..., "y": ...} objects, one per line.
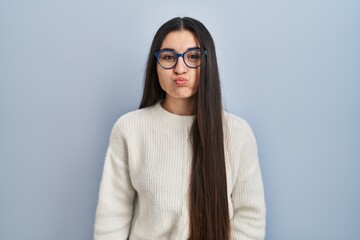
[{"x": 209, "y": 214}]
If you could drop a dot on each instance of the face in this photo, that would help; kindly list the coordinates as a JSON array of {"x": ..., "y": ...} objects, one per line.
[{"x": 180, "y": 82}]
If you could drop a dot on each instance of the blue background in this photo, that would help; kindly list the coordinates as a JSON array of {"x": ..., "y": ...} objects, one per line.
[{"x": 69, "y": 69}]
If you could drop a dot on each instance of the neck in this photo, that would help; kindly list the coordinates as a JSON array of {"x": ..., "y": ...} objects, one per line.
[{"x": 179, "y": 106}]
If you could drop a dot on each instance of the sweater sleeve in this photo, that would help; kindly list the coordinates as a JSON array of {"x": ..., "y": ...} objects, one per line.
[
  {"x": 115, "y": 204},
  {"x": 248, "y": 222}
]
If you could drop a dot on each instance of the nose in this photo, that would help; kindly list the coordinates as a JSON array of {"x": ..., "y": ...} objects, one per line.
[{"x": 180, "y": 66}]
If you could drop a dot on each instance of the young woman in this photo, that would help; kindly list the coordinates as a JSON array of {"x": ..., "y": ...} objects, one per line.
[{"x": 180, "y": 167}]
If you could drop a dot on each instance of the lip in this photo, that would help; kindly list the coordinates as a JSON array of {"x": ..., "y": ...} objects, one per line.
[{"x": 180, "y": 81}]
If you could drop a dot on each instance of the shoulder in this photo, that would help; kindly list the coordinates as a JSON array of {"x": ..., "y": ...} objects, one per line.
[
  {"x": 131, "y": 122},
  {"x": 233, "y": 122},
  {"x": 238, "y": 131},
  {"x": 133, "y": 118}
]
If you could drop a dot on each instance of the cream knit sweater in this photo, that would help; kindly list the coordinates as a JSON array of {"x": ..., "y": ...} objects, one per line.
[{"x": 144, "y": 187}]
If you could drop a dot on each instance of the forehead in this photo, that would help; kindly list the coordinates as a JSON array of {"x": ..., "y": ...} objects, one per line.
[{"x": 180, "y": 41}]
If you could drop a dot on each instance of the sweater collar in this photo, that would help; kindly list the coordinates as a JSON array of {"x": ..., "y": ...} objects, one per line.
[{"x": 171, "y": 118}]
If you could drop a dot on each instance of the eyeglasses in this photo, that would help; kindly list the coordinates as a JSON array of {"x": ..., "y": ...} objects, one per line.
[{"x": 169, "y": 58}]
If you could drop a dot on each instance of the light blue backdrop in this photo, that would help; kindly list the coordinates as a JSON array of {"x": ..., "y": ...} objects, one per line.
[{"x": 69, "y": 69}]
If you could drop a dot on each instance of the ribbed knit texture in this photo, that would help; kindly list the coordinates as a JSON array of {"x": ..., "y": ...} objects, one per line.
[{"x": 144, "y": 191}]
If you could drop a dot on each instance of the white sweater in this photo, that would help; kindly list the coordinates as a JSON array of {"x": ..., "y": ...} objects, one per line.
[{"x": 144, "y": 189}]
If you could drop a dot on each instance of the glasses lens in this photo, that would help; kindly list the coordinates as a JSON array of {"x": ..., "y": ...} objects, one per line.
[
  {"x": 193, "y": 58},
  {"x": 167, "y": 59}
]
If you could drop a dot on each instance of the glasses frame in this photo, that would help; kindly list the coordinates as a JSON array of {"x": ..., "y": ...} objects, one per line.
[{"x": 157, "y": 54}]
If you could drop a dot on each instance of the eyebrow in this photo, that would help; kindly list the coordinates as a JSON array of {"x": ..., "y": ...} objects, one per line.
[{"x": 171, "y": 49}]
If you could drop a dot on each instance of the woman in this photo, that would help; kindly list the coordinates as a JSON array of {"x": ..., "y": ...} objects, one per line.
[{"x": 180, "y": 167}]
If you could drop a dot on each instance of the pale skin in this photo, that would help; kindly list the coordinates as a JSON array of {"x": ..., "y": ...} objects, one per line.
[{"x": 181, "y": 82}]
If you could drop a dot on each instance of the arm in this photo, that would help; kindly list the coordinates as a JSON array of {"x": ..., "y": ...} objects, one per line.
[
  {"x": 248, "y": 222},
  {"x": 115, "y": 206}
]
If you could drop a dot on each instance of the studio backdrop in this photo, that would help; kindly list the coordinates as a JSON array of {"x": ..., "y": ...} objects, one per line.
[{"x": 70, "y": 69}]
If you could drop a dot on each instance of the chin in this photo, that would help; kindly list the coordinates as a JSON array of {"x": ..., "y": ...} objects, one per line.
[{"x": 186, "y": 96}]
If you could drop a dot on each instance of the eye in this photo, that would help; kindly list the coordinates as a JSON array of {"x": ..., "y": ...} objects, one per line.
[
  {"x": 166, "y": 56},
  {"x": 193, "y": 56}
]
